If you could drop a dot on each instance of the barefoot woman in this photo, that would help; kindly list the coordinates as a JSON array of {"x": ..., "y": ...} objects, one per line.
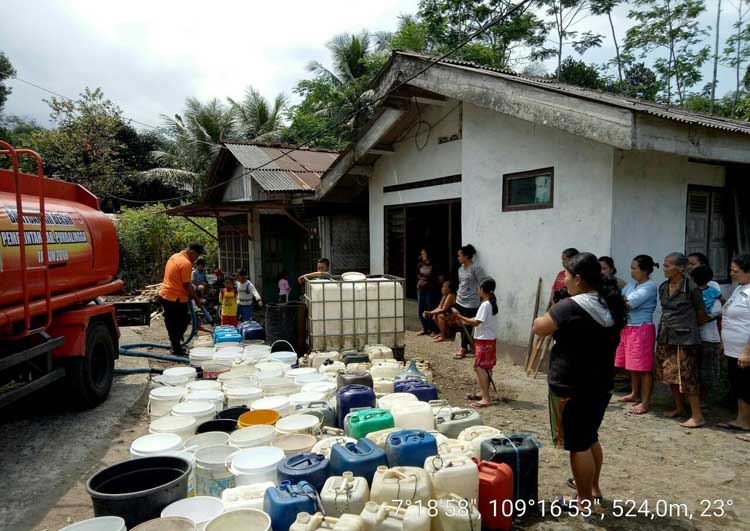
[
  {"x": 636, "y": 350},
  {"x": 679, "y": 340},
  {"x": 586, "y": 329}
]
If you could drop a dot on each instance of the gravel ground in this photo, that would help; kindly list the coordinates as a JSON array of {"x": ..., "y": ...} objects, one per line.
[{"x": 47, "y": 451}]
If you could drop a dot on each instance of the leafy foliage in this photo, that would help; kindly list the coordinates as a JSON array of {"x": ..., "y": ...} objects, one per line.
[
  {"x": 6, "y": 71},
  {"x": 566, "y": 14},
  {"x": 581, "y": 74},
  {"x": 671, "y": 28},
  {"x": 257, "y": 118},
  {"x": 147, "y": 238}
]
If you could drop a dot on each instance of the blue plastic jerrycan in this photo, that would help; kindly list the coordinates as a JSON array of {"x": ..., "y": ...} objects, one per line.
[
  {"x": 284, "y": 502},
  {"x": 309, "y": 467},
  {"x": 352, "y": 396},
  {"x": 422, "y": 390},
  {"x": 409, "y": 448},
  {"x": 361, "y": 459}
]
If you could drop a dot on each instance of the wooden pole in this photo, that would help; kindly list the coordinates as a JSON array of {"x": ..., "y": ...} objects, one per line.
[
  {"x": 532, "y": 358},
  {"x": 536, "y": 312},
  {"x": 545, "y": 350}
]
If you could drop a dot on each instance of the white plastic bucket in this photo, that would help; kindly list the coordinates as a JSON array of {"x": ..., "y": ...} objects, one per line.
[
  {"x": 213, "y": 368},
  {"x": 304, "y": 379},
  {"x": 299, "y": 371},
  {"x": 172, "y": 523},
  {"x": 212, "y": 474},
  {"x": 200, "y": 355},
  {"x": 242, "y": 396},
  {"x": 204, "y": 385},
  {"x": 253, "y": 465},
  {"x": 162, "y": 399},
  {"x": 240, "y": 519},
  {"x": 391, "y": 399},
  {"x": 285, "y": 357},
  {"x": 155, "y": 444},
  {"x": 214, "y": 397},
  {"x": 295, "y": 443},
  {"x": 298, "y": 423},
  {"x": 204, "y": 440},
  {"x": 306, "y": 397},
  {"x": 228, "y": 355},
  {"x": 252, "y": 436},
  {"x": 103, "y": 523},
  {"x": 279, "y": 386},
  {"x": 328, "y": 389},
  {"x": 201, "y": 411},
  {"x": 228, "y": 344},
  {"x": 280, "y": 404},
  {"x": 174, "y": 375},
  {"x": 198, "y": 509},
  {"x": 183, "y": 426},
  {"x": 269, "y": 369}
]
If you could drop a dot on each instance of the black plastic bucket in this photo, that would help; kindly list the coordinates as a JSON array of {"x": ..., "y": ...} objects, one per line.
[
  {"x": 139, "y": 489},
  {"x": 232, "y": 413},
  {"x": 225, "y": 425}
]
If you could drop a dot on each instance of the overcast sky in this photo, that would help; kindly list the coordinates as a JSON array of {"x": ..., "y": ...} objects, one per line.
[{"x": 148, "y": 56}]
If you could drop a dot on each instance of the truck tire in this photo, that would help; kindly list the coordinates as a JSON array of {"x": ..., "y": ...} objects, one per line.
[{"x": 91, "y": 376}]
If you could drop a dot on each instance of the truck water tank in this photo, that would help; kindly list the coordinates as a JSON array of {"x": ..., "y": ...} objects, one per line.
[{"x": 81, "y": 244}]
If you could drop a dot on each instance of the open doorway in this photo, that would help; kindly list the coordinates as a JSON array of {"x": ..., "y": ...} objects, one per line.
[{"x": 435, "y": 226}]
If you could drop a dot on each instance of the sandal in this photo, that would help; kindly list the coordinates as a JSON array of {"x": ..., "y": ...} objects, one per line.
[
  {"x": 479, "y": 405},
  {"x": 474, "y": 397},
  {"x": 743, "y": 438},
  {"x": 729, "y": 426}
]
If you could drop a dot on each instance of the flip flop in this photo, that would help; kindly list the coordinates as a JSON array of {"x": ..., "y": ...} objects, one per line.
[
  {"x": 459, "y": 357},
  {"x": 743, "y": 438},
  {"x": 479, "y": 405},
  {"x": 473, "y": 397},
  {"x": 729, "y": 426}
]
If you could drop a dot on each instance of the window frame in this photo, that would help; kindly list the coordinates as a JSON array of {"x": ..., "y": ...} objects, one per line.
[{"x": 508, "y": 177}]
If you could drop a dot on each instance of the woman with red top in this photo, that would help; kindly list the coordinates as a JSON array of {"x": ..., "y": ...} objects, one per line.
[{"x": 559, "y": 282}]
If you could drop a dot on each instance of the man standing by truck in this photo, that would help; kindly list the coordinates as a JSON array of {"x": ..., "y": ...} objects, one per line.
[{"x": 176, "y": 292}]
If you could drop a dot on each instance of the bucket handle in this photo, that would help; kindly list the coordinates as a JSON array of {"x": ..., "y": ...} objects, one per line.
[{"x": 282, "y": 341}]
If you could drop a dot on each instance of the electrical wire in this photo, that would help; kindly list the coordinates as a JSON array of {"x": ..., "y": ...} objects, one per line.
[{"x": 493, "y": 22}]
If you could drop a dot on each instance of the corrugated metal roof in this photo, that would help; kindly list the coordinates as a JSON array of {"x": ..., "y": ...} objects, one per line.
[
  {"x": 295, "y": 170},
  {"x": 654, "y": 109}
]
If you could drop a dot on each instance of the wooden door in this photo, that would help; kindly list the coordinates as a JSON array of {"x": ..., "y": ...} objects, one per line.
[{"x": 705, "y": 229}]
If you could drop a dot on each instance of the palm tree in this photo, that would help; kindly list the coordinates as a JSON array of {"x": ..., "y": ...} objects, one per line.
[
  {"x": 258, "y": 118},
  {"x": 196, "y": 138}
]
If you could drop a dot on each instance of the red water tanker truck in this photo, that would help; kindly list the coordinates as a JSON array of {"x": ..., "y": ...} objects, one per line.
[{"x": 58, "y": 255}]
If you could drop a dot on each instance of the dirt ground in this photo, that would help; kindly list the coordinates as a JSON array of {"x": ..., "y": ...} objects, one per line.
[{"x": 647, "y": 458}]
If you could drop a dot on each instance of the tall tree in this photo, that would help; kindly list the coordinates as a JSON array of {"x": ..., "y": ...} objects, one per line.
[
  {"x": 566, "y": 14},
  {"x": 256, "y": 117},
  {"x": 671, "y": 27},
  {"x": 605, "y": 7},
  {"x": 737, "y": 47},
  {"x": 640, "y": 82},
  {"x": 716, "y": 57},
  {"x": 579, "y": 73},
  {"x": 6, "y": 71}
]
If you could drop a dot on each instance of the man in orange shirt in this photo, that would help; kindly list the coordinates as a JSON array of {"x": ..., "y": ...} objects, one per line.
[{"x": 176, "y": 292}]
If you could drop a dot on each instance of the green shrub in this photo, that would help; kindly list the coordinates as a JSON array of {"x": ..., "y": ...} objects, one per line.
[{"x": 148, "y": 237}]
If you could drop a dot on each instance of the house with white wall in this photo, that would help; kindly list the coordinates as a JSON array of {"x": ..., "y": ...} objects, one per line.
[{"x": 523, "y": 168}]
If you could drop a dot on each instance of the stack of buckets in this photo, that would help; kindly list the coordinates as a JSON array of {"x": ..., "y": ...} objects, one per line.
[{"x": 371, "y": 448}]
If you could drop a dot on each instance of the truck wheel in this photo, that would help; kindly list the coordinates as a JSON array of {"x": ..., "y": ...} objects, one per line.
[{"x": 91, "y": 376}]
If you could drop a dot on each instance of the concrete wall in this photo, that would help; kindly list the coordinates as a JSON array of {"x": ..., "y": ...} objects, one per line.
[
  {"x": 650, "y": 207},
  {"x": 407, "y": 164},
  {"x": 516, "y": 248}
]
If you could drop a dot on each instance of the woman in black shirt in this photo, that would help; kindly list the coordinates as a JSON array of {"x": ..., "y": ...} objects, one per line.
[{"x": 586, "y": 327}]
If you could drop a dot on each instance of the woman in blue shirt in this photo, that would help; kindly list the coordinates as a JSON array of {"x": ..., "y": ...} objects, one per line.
[{"x": 636, "y": 350}]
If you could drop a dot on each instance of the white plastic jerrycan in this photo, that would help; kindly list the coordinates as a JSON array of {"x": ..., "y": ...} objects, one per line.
[
  {"x": 413, "y": 416},
  {"x": 380, "y": 437},
  {"x": 406, "y": 483},
  {"x": 308, "y": 522},
  {"x": 455, "y": 474},
  {"x": 386, "y": 368},
  {"x": 454, "y": 421},
  {"x": 386, "y": 517},
  {"x": 475, "y": 435},
  {"x": 453, "y": 446},
  {"x": 345, "y": 494},
  {"x": 455, "y": 513}
]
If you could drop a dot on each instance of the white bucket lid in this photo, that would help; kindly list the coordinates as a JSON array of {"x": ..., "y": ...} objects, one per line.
[
  {"x": 297, "y": 422},
  {"x": 156, "y": 443},
  {"x": 180, "y": 371},
  {"x": 198, "y": 509},
  {"x": 204, "y": 385},
  {"x": 193, "y": 409},
  {"x": 214, "y": 456},
  {"x": 227, "y": 355},
  {"x": 167, "y": 393},
  {"x": 295, "y": 442},
  {"x": 227, "y": 344},
  {"x": 312, "y": 378},
  {"x": 278, "y": 403},
  {"x": 204, "y": 440},
  {"x": 253, "y": 435},
  {"x": 299, "y": 371},
  {"x": 252, "y": 460},
  {"x": 102, "y": 523},
  {"x": 244, "y": 392},
  {"x": 327, "y": 388},
  {"x": 248, "y": 382},
  {"x": 353, "y": 276},
  {"x": 270, "y": 367},
  {"x": 202, "y": 395},
  {"x": 172, "y": 424},
  {"x": 242, "y": 371},
  {"x": 307, "y": 396},
  {"x": 205, "y": 353},
  {"x": 285, "y": 356}
]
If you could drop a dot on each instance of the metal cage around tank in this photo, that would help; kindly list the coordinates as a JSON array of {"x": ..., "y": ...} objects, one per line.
[{"x": 350, "y": 314}]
